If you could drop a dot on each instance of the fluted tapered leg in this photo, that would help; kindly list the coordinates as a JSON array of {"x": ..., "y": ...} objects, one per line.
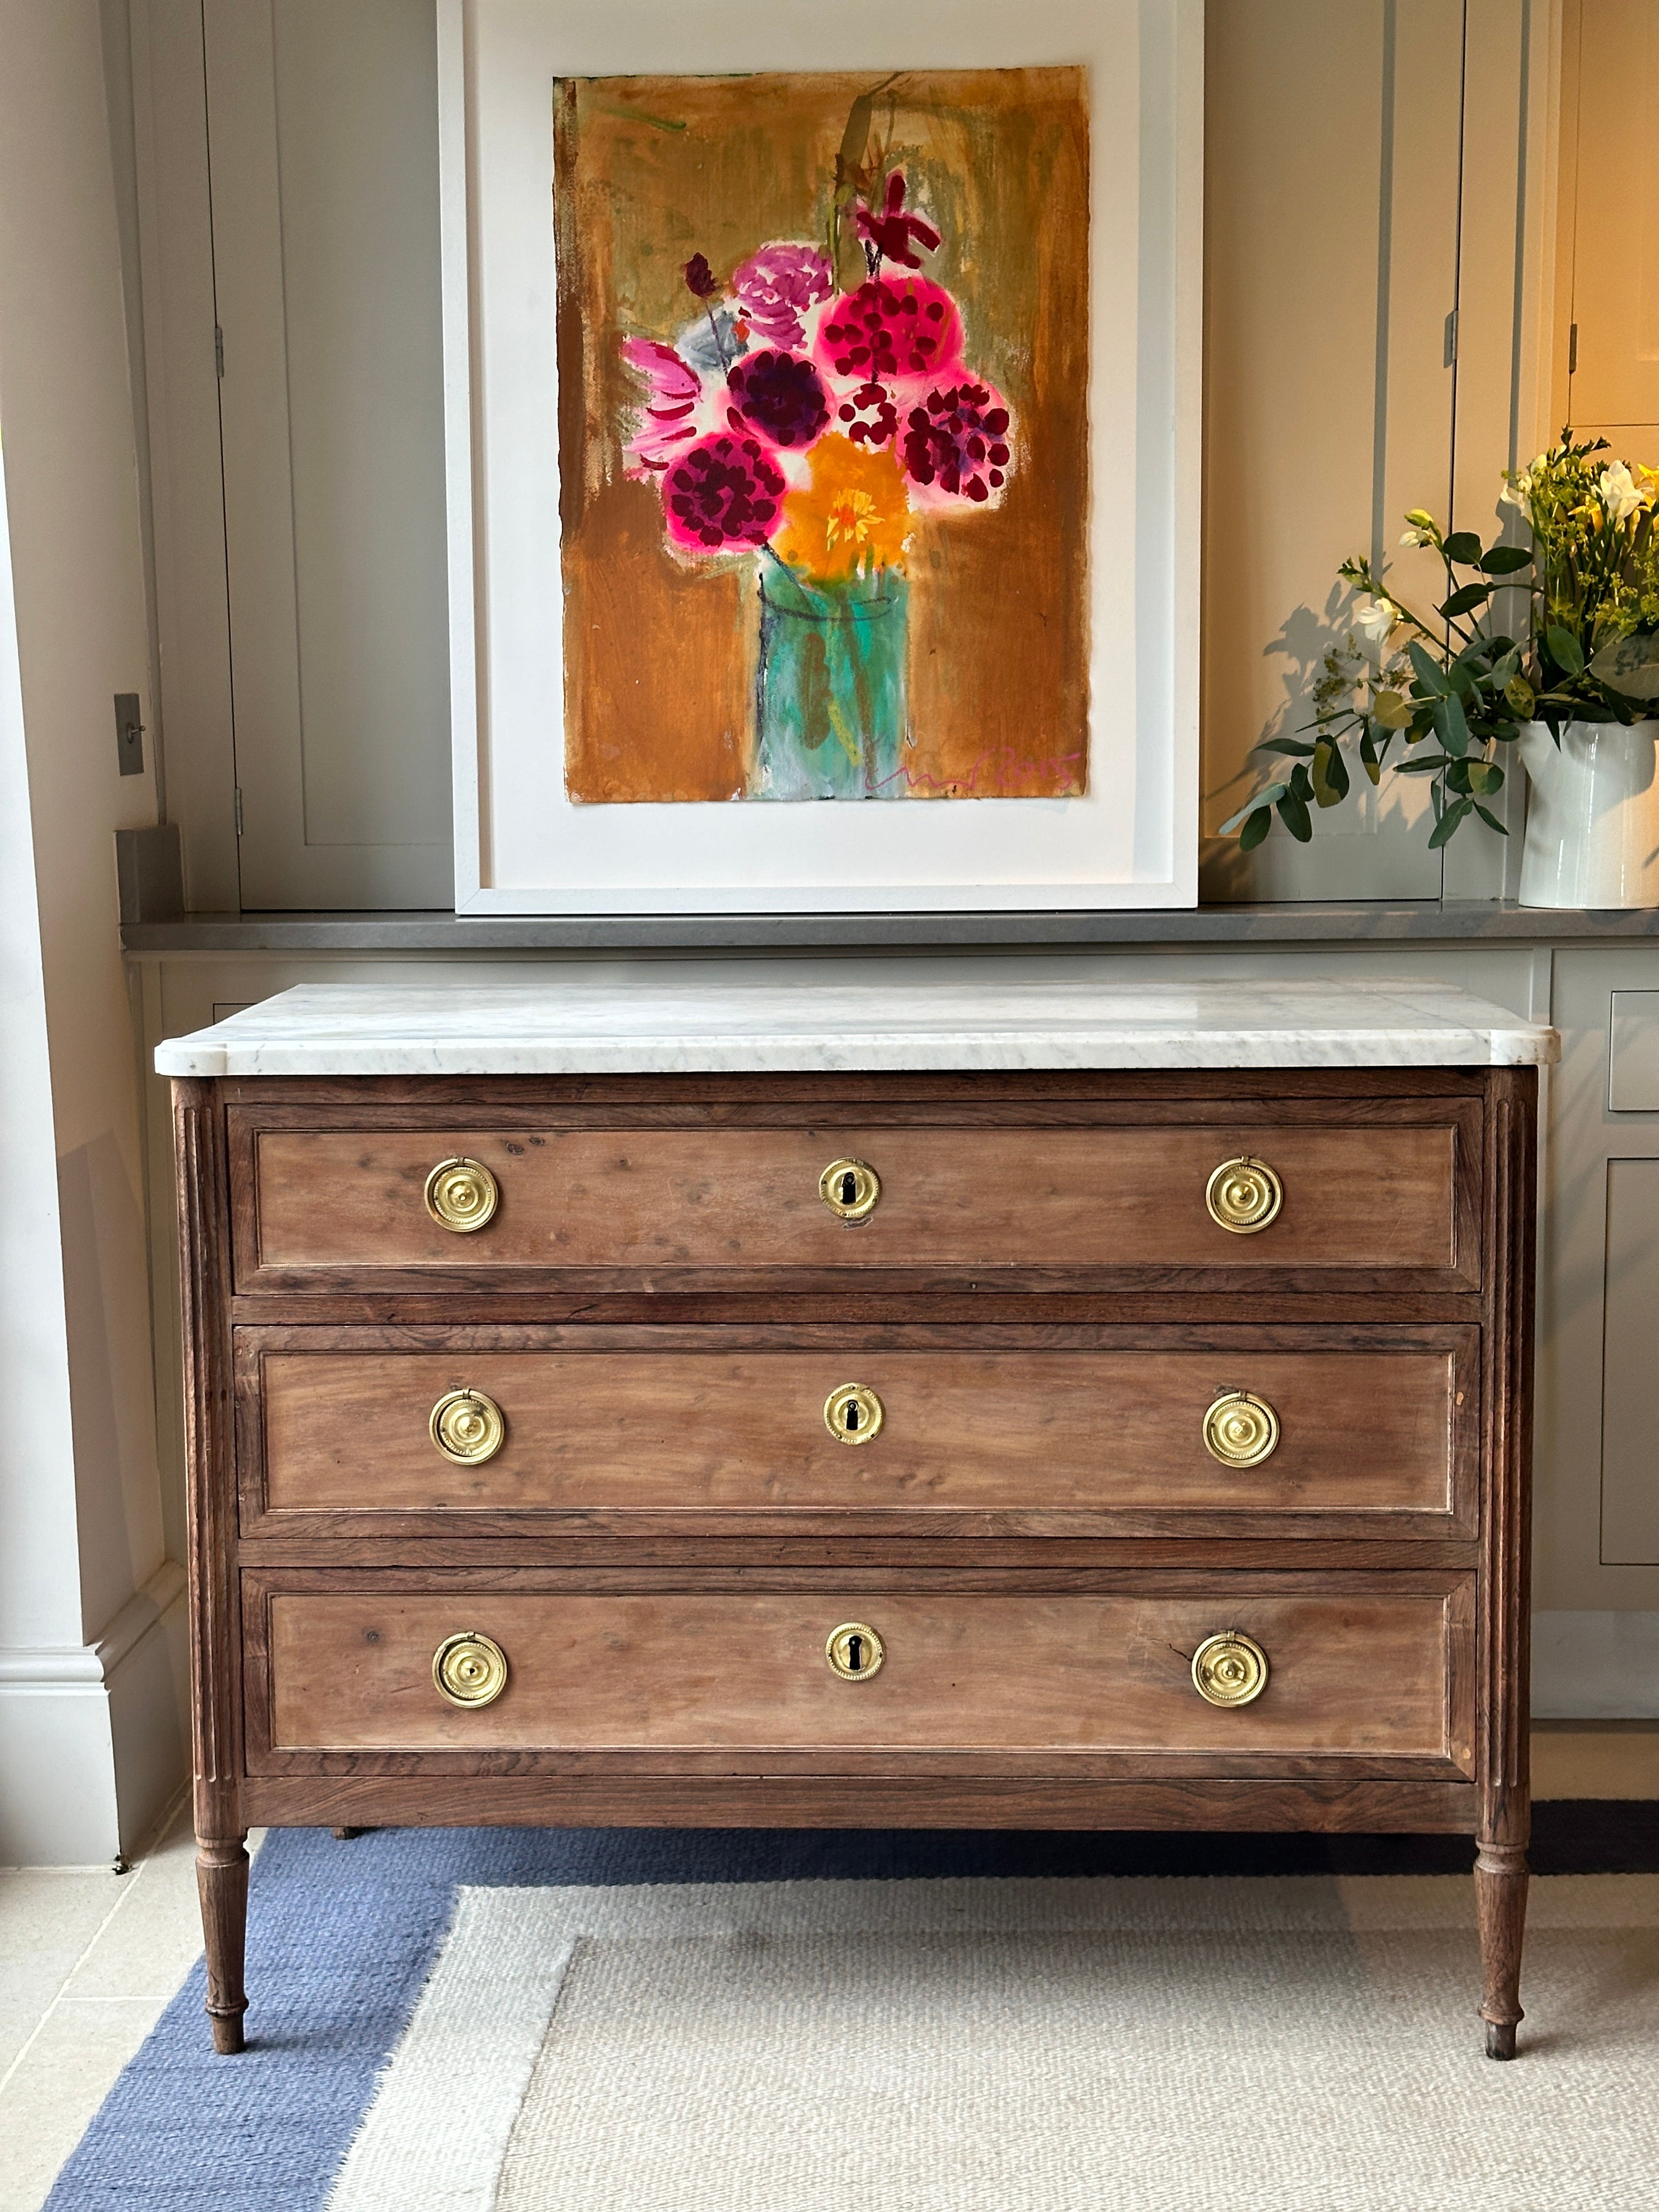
[
  {"x": 1500, "y": 1897},
  {"x": 221, "y": 1877}
]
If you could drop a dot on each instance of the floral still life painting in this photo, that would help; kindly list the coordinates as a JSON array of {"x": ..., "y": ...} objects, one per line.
[{"x": 823, "y": 372}]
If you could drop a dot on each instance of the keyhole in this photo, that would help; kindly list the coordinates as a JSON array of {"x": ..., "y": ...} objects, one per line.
[
  {"x": 849, "y": 1188},
  {"x": 852, "y": 1415},
  {"x": 854, "y": 1654}
]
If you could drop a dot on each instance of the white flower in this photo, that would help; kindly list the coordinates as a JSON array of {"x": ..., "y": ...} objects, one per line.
[
  {"x": 1620, "y": 494},
  {"x": 1379, "y": 618},
  {"x": 1416, "y": 537}
]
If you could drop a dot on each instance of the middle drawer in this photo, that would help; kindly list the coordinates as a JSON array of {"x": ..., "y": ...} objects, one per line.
[{"x": 1036, "y": 1431}]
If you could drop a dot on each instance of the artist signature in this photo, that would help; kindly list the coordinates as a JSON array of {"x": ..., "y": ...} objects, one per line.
[{"x": 996, "y": 767}]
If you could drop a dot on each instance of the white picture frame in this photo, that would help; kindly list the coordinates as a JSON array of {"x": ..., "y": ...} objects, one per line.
[{"x": 521, "y": 846}]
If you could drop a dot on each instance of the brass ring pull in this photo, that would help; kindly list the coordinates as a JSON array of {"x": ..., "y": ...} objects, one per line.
[
  {"x": 462, "y": 1194},
  {"x": 1241, "y": 1431},
  {"x": 854, "y": 1414},
  {"x": 1230, "y": 1670},
  {"x": 467, "y": 1427},
  {"x": 855, "y": 1651},
  {"x": 850, "y": 1189},
  {"x": 1244, "y": 1195},
  {"x": 469, "y": 1668}
]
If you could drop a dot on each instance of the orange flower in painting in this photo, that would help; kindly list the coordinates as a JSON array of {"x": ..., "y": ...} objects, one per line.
[{"x": 853, "y": 518}]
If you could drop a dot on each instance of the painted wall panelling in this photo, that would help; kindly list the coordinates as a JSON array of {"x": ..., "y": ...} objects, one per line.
[
  {"x": 1341, "y": 235},
  {"x": 1609, "y": 226},
  {"x": 323, "y": 157}
]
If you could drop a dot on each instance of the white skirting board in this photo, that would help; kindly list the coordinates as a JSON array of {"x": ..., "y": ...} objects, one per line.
[
  {"x": 95, "y": 1738},
  {"x": 1596, "y": 1666}
]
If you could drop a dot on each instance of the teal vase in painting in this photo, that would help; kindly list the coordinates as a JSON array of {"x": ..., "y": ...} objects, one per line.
[{"x": 829, "y": 706}]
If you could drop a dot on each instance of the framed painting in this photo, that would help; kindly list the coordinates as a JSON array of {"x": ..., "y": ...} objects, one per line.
[{"x": 822, "y": 452}]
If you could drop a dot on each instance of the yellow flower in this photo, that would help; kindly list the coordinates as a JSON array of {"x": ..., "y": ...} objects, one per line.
[{"x": 852, "y": 519}]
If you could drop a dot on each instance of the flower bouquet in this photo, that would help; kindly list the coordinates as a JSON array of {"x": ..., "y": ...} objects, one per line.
[
  {"x": 802, "y": 427},
  {"x": 1454, "y": 690}
]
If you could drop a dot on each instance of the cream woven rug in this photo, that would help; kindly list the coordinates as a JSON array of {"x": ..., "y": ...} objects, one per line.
[{"x": 1297, "y": 2044}]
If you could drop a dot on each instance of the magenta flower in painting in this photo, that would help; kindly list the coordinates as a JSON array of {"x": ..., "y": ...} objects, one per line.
[
  {"x": 892, "y": 232},
  {"x": 868, "y": 414},
  {"x": 722, "y": 493},
  {"x": 956, "y": 441},
  {"x": 666, "y": 423},
  {"x": 778, "y": 395},
  {"x": 775, "y": 288},
  {"x": 910, "y": 327}
]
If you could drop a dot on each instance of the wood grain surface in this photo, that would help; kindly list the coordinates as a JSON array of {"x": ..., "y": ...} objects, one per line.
[
  {"x": 968, "y": 1429},
  {"x": 1352, "y": 1673},
  {"x": 646, "y": 1200}
]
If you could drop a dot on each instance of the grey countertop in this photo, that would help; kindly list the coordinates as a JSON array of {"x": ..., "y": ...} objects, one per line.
[{"x": 1416, "y": 921}]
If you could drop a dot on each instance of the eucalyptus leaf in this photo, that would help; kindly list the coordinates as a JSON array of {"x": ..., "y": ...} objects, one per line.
[
  {"x": 1431, "y": 766},
  {"x": 1391, "y": 710},
  {"x": 1564, "y": 650},
  {"x": 1256, "y": 829},
  {"x": 1453, "y": 725},
  {"x": 1293, "y": 813},
  {"x": 1463, "y": 602},
  {"x": 1369, "y": 757},
  {"x": 1485, "y": 775},
  {"x": 1430, "y": 674},
  {"x": 1330, "y": 776},
  {"x": 1629, "y": 665},
  {"x": 1521, "y": 697},
  {"x": 1506, "y": 560},
  {"x": 1490, "y": 820},
  {"x": 1449, "y": 822},
  {"x": 1260, "y": 803},
  {"x": 1298, "y": 747},
  {"x": 1463, "y": 547}
]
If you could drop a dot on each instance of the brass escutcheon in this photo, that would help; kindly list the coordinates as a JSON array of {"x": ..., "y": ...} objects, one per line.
[
  {"x": 850, "y": 1189},
  {"x": 1230, "y": 1670},
  {"x": 467, "y": 1427},
  {"x": 470, "y": 1669},
  {"x": 462, "y": 1194},
  {"x": 1241, "y": 1431},
  {"x": 1244, "y": 1195},
  {"x": 855, "y": 1651},
  {"x": 852, "y": 1414}
]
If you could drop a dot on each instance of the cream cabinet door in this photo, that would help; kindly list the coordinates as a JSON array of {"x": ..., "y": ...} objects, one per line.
[
  {"x": 1610, "y": 162},
  {"x": 322, "y": 125}
]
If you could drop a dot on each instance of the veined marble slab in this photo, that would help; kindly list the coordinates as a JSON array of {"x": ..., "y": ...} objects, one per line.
[{"x": 609, "y": 1018}]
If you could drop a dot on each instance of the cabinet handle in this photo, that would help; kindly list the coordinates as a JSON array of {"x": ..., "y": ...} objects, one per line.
[
  {"x": 855, "y": 1651},
  {"x": 1241, "y": 1431},
  {"x": 850, "y": 1189},
  {"x": 462, "y": 1194},
  {"x": 1230, "y": 1670},
  {"x": 469, "y": 1668},
  {"x": 854, "y": 1414},
  {"x": 467, "y": 1427},
  {"x": 1244, "y": 1195}
]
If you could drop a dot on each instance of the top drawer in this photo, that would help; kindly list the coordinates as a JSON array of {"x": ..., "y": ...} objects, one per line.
[{"x": 662, "y": 1206}]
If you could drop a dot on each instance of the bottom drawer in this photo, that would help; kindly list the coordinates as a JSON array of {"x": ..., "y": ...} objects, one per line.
[{"x": 1355, "y": 1670}]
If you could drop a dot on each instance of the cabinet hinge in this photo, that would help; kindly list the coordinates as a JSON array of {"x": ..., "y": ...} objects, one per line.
[
  {"x": 218, "y": 349},
  {"x": 1449, "y": 354},
  {"x": 1572, "y": 351},
  {"x": 238, "y": 809}
]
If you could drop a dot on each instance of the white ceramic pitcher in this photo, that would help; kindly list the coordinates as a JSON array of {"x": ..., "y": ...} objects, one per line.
[{"x": 1592, "y": 816}]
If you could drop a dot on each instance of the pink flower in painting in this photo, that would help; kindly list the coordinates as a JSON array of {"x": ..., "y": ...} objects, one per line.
[
  {"x": 892, "y": 232},
  {"x": 722, "y": 493},
  {"x": 776, "y": 287},
  {"x": 885, "y": 331},
  {"x": 667, "y": 421},
  {"x": 868, "y": 415},
  {"x": 956, "y": 442},
  {"x": 779, "y": 396}
]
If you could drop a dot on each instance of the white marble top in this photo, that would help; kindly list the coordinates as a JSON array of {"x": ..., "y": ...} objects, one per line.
[{"x": 620, "y": 1017}]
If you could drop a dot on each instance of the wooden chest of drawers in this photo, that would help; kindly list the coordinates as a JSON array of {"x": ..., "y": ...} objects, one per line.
[{"x": 1110, "y": 1449}]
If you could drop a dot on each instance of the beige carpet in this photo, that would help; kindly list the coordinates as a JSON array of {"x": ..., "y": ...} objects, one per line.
[{"x": 1033, "y": 2046}]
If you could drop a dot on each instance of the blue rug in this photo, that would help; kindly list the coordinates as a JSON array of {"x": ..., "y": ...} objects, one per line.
[{"x": 343, "y": 1935}]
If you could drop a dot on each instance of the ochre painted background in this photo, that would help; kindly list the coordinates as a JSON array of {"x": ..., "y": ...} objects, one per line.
[{"x": 659, "y": 656}]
